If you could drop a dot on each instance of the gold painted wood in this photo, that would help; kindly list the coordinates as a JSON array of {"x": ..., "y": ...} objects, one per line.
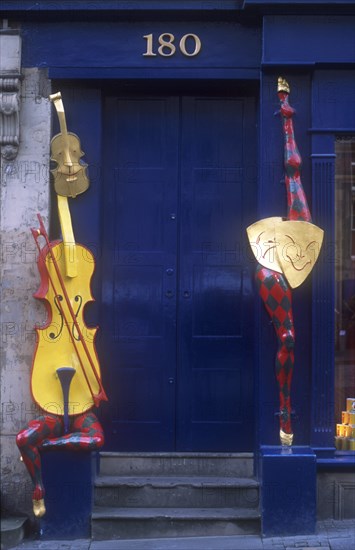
[
  {"x": 286, "y": 246},
  {"x": 299, "y": 245},
  {"x": 70, "y": 256},
  {"x": 70, "y": 177},
  {"x": 261, "y": 237},
  {"x": 55, "y": 346}
]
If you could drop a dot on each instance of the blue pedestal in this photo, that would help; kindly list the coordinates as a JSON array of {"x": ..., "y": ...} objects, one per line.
[
  {"x": 288, "y": 491},
  {"x": 68, "y": 480}
]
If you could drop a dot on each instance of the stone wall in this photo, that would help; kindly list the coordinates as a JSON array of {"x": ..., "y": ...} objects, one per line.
[
  {"x": 24, "y": 192},
  {"x": 336, "y": 495}
]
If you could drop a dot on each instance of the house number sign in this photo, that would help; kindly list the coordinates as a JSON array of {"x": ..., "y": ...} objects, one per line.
[{"x": 165, "y": 45}]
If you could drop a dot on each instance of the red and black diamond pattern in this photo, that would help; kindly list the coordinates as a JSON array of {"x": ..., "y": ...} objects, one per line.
[
  {"x": 86, "y": 434},
  {"x": 277, "y": 298},
  {"x": 296, "y": 198},
  {"x": 46, "y": 432},
  {"x": 272, "y": 286}
]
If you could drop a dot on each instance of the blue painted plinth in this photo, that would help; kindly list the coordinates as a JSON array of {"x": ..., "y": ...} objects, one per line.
[
  {"x": 288, "y": 490},
  {"x": 68, "y": 480}
]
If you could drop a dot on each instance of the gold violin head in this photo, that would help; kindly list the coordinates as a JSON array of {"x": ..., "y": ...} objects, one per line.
[{"x": 70, "y": 177}]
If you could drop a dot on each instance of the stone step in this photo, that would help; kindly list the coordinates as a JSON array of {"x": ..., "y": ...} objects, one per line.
[
  {"x": 12, "y": 531},
  {"x": 138, "y": 523},
  {"x": 173, "y": 491},
  {"x": 188, "y": 464}
]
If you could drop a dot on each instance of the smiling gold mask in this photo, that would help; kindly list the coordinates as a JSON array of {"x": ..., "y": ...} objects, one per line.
[{"x": 286, "y": 246}]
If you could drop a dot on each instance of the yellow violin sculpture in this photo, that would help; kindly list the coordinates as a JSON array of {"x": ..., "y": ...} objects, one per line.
[{"x": 66, "y": 269}]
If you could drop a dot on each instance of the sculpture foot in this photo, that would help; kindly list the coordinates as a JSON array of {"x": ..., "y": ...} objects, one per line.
[
  {"x": 283, "y": 85},
  {"x": 39, "y": 508},
  {"x": 286, "y": 439}
]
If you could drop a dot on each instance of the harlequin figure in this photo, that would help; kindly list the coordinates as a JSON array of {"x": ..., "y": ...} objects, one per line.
[
  {"x": 286, "y": 249},
  {"x": 47, "y": 432}
]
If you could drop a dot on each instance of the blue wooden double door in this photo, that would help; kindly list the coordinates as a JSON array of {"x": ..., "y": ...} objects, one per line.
[{"x": 176, "y": 334}]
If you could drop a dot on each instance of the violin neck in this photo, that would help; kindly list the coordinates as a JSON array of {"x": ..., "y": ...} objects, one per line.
[
  {"x": 70, "y": 256},
  {"x": 58, "y": 103},
  {"x": 63, "y": 206}
]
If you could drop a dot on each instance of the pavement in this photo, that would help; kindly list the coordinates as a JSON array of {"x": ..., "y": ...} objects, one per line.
[{"x": 330, "y": 535}]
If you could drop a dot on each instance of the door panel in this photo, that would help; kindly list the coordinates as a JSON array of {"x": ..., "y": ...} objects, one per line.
[
  {"x": 177, "y": 313},
  {"x": 138, "y": 321},
  {"x": 215, "y": 363}
]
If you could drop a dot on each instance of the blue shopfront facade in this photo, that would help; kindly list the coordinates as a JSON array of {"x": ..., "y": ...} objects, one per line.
[{"x": 175, "y": 104}]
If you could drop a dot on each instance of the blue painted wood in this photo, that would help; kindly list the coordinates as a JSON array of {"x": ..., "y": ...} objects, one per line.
[
  {"x": 177, "y": 74},
  {"x": 323, "y": 332},
  {"x": 113, "y": 50},
  {"x": 288, "y": 491},
  {"x": 139, "y": 271},
  {"x": 299, "y": 3},
  {"x": 44, "y": 6},
  {"x": 215, "y": 338},
  {"x": 332, "y": 105},
  {"x": 120, "y": 5},
  {"x": 338, "y": 114},
  {"x": 177, "y": 300},
  {"x": 296, "y": 40},
  {"x": 68, "y": 479}
]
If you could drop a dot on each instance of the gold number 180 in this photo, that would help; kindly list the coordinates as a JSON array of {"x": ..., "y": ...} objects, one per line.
[{"x": 167, "y": 47}]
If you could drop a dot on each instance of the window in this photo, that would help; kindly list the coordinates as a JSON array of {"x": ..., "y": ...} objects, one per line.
[{"x": 345, "y": 291}]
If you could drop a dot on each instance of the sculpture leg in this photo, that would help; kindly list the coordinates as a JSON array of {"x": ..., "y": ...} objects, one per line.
[
  {"x": 86, "y": 433},
  {"x": 277, "y": 298},
  {"x": 296, "y": 197},
  {"x": 29, "y": 441}
]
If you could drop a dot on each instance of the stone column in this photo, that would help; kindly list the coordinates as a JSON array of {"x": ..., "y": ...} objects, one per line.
[{"x": 24, "y": 192}]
